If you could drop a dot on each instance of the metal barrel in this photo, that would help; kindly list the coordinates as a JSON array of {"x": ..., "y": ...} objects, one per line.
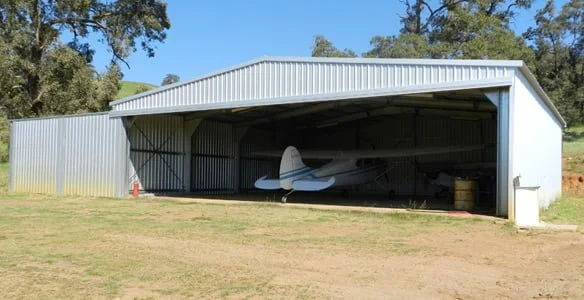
[{"x": 465, "y": 191}]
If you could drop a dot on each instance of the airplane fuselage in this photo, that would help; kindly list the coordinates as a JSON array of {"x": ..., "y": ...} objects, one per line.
[
  {"x": 347, "y": 168},
  {"x": 345, "y": 172}
]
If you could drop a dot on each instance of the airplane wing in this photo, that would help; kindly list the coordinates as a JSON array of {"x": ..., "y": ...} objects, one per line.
[
  {"x": 267, "y": 184},
  {"x": 388, "y": 153},
  {"x": 297, "y": 185}
]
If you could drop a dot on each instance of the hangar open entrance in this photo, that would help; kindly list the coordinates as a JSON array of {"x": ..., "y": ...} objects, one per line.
[{"x": 218, "y": 153}]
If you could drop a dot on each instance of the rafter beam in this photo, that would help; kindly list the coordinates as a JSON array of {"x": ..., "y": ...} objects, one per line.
[
  {"x": 306, "y": 110},
  {"x": 384, "y": 111}
]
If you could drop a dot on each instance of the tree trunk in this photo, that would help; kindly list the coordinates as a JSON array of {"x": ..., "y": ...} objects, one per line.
[{"x": 36, "y": 55}]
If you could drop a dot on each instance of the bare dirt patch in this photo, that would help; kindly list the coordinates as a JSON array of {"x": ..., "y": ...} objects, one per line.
[
  {"x": 477, "y": 264},
  {"x": 573, "y": 175}
]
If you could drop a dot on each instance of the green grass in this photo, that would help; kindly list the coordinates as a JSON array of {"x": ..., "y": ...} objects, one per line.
[
  {"x": 4, "y": 170},
  {"x": 83, "y": 247},
  {"x": 129, "y": 88},
  {"x": 569, "y": 210},
  {"x": 574, "y": 141},
  {"x": 90, "y": 248}
]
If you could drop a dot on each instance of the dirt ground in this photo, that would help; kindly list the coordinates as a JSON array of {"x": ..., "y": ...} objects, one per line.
[
  {"x": 573, "y": 175},
  {"x": 463, "y": 266},
  {"x": 80, "y": 248}
]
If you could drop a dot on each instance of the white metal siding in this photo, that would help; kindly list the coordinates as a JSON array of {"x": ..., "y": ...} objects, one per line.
[
  {"x": 287, "y": 81},
  {"x": 74, "y": 155},
  {"x": 34, "y": 150},
  {"x": 536, "y": 143}
]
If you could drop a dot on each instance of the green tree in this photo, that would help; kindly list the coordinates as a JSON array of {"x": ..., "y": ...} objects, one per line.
[
  {"x": 66, "y": 83},
  {"x": 324, "y": 48},
  {"x": 407, "y": 45},
  {"x": 170, "y": 79},
  {"x": 108, "y": 85},
  {"x": 558, "y": 43},
  {"x": 142, "y": 88},
  {"x": 30, "y": 30},
  {"x": 478, "y": 29}
]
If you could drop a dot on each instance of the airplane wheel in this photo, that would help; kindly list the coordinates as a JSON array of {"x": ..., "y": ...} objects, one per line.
[{"x": 284, "y": 199}]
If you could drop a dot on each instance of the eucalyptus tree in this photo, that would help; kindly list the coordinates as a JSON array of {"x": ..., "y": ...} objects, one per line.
[{"x": 43, "y": 70}]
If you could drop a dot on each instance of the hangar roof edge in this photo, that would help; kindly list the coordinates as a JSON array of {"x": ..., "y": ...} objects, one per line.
[
  {"x": 356, "y": 60},
  {"x": 516, "y": 64}
]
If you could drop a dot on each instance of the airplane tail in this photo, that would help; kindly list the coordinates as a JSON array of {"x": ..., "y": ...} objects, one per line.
[
  {"x": 293, "y": 174},
  {"x": 291, "y": 167}
]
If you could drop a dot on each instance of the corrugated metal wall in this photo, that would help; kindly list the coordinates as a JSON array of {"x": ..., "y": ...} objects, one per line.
[
  {"x": 157, "y": 153},
  {"x": 390, "y": 133},
  {"x": 86, "y": 155},
  {"x": 213, "y": 164},
  {"x": 253, "y": 167},
  {"x": 34, "y": 155},
  {"x": 271, "y": 79},
  {"x": 73, "y": 155}
]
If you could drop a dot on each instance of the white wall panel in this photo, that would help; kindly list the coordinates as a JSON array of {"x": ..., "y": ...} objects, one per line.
[{"x": 536, "y": 143}]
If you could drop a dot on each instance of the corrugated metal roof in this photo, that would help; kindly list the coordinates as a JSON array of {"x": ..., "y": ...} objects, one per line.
[{"x": 285, "y": 80}]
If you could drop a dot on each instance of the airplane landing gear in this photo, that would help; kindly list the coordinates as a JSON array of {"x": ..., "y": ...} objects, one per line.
[{"x": 285, "y": 197}]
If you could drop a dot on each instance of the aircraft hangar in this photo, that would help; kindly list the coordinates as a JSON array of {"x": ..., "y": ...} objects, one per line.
[{"x": 205, "y": 136}]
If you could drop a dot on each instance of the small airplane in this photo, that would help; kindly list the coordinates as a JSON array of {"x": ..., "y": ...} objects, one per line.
[{"x": 346, "y": 168}]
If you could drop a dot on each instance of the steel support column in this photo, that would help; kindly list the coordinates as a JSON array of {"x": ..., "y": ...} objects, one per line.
[
  {"x": 505, "y": 199},
  {"x": 127, "y": 122}
]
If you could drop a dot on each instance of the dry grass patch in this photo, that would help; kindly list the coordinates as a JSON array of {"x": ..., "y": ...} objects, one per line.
[{"x": 67, "y": 247}]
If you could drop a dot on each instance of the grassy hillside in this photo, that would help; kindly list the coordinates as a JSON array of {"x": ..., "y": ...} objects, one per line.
[{"x": 129, "y": 88}]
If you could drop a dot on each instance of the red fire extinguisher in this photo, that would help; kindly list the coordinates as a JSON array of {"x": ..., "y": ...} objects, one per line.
[{"x": 136, "y": 189}]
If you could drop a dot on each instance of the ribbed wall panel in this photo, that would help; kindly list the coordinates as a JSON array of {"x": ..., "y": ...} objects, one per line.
[
  {"x": 403, "y": 131},
  {"x": 72, "y": 155},
  {"x": 34, "y": 152},
  {"x": 213, "y": 162},
  {"x": 264, "y": 81},
  {"x": 157, "y": 153},
  {"x": 253, "y": 167}
]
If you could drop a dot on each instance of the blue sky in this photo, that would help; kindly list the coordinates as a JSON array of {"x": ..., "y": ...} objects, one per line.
[{"x": 210, "y": 35}]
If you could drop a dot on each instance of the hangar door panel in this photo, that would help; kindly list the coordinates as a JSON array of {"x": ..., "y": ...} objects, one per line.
[
  {"x": 391, "y": 133},
  {"x": 156, "y": 153},
  {"x": 213, "y": 161},
  {"x": 253, "y": 166}
]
